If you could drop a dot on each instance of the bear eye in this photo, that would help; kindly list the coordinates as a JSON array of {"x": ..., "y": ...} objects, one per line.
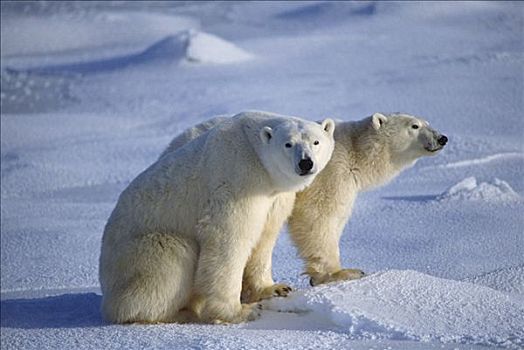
[
  {"x": 316, "y": 143},
  {"x": 414, "y": 126},
  {"x": 288, "y": 145}
]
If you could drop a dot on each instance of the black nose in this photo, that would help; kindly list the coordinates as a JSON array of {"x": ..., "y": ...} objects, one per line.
[
  {"x": 305, "y": 165},
  {"x": 442, "y": 140}
]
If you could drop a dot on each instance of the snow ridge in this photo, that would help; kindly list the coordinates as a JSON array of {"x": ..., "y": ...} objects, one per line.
[
  {"x": 186, "y": 46},
  {"x": 483, "y": 160},
  {"x": 409, "y": 305}
]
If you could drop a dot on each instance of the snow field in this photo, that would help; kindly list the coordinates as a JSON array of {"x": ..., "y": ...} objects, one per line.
[{"x": 93, "y": 92}]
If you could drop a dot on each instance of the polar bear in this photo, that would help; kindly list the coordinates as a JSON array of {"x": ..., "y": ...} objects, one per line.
[
  {"x": 257, "y": 281},
  {"x": 176, "y": 245},
  {"x": 368, "y": 153}
]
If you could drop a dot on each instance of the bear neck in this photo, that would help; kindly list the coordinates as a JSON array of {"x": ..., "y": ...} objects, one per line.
[{"x": 370, "y": 161}]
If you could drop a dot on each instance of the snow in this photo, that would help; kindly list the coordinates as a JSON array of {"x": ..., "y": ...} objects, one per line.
[
  {"x": 71, "y": 32},
  {"x": 509, "y": 280},
  {"x": 207, "y": 48},
  {"x": 468, "y": 189},
  {"x": 487, "y": 159},
  {"x": 92, "y": 92},
  {"x": 411, "y": 305},
  {"x": 185, "y": 46}
]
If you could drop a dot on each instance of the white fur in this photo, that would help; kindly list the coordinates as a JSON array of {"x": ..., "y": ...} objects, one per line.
[
  {"x": 177, "y": 243},
  {"x": 368, "y": 153}
]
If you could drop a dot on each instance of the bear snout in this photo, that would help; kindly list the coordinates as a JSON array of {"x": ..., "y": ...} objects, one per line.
[
  {"x": 305, "y": 165},
  {"x": 442, "y": 140}
]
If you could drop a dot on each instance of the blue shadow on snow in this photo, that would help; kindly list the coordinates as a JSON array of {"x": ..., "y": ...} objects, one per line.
[
  {"x": 316, "y": 10},
  {"x": 62, "y": 311},
  {"x": 421, "y": 198},
  {"x": 171, "y": 48}
]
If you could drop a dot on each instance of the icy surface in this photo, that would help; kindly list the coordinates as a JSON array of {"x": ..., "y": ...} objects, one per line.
[{"x": 92, "y": 92}]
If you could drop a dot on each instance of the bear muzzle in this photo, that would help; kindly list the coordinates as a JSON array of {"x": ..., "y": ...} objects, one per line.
[
  {"x": 305, "y": 166},
  {"x": 437, "y": 143},
  {"x": 442, "y": 140}
]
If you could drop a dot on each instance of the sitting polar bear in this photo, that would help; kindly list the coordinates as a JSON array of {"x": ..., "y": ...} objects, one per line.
[
  {"x": 368, "y": 153},
  {"x": 177, "y": 243}
]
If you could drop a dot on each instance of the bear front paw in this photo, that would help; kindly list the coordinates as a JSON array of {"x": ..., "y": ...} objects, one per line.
[{"x": 341, "y": 275}]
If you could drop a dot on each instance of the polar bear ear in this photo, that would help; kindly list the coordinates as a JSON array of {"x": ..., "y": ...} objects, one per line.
[
  {"x": 378, "y": 119},
  {"x": 266, "y": 134},
  {"x": 328, "y": 125}
]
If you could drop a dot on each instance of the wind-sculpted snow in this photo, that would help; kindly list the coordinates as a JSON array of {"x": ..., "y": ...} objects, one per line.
[
  {"x": 186, "y": 46},
  {"x": 411, "y": 305},
  {"x": 208, "y": 48},
  {"x": 395, "y": 305},
  {"x": 468, "y": 189},
  {"x": 483, "y": 160}
]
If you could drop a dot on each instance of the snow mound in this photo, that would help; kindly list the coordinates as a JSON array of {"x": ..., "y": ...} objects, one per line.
[
  {"x": 469, "y": 190},
  {"x": 409, "y": 305},
  {"x": 186, "y": 46},
  {"x": 207, "y": 48}
]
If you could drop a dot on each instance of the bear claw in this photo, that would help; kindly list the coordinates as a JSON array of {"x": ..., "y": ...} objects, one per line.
[{"x": 281, "y": 290}]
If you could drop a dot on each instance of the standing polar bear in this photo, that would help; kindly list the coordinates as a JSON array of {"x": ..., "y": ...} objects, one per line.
[
  {"x": 178, "y": 241},
  {"x": 368, "y": 153}
]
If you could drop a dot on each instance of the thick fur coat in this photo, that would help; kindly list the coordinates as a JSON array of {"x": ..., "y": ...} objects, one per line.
[
  {"x": 177, "y": 244},
  {"x": 368, "y": 153}
]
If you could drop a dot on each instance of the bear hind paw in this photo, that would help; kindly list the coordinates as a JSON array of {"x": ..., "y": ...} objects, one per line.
[
  {"x": 341, "y": 275},
  {"x": 249, "y": 312}
]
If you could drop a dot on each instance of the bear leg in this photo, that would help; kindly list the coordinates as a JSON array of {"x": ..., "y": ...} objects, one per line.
[
  {"x": 227, "y": 237},
  {"x": 218, "y": 285},
  {"x": 257, "y": 282},
  {"x": 150, "y": 280}
]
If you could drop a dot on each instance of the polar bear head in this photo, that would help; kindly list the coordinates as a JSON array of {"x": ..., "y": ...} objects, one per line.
[
  {"x": 408, "y": 137},
  {"x": 295, "y": 151}
]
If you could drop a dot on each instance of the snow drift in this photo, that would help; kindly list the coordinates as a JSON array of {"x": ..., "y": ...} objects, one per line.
[
  {"x": 409, "y": 305},
  {"x": 207, "y": 48},
  {"x": 186, "y": 46},
  {"x": 469, "y": 190}
]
